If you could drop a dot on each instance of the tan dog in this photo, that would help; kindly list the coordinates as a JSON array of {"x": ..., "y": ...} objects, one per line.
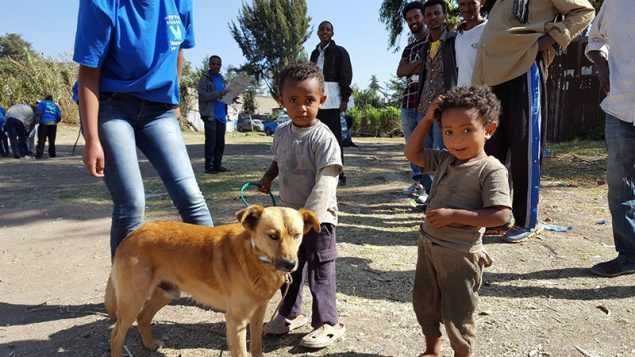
[{"x": 236, "y": 268}]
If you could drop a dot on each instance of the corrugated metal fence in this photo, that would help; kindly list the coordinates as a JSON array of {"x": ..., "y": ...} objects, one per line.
[{"x": 573, "y": 97}]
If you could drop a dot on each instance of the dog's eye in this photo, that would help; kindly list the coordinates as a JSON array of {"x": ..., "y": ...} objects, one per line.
[
  {"x": 297, "y": 236},
  {"x": 273, "y": 236}
]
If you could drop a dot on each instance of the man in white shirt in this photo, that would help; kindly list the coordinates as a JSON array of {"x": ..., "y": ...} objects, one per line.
[
  {"x": 467, "y": 39},
  {"x": 611, "y": 50}
]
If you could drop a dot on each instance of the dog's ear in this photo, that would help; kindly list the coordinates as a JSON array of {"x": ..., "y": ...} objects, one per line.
[
  {"x": 249, "y": 216},
  {"x": 310, "y": 220}
]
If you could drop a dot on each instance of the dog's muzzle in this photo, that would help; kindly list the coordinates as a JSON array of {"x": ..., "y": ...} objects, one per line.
[{"x": 286, "y": 266}]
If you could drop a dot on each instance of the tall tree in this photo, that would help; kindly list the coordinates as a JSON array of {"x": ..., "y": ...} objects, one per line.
[
  {"x": 394, "y": 90},
  {"x": 249, "y": 101},
  {"x": 14, "y": 46},
  {"x": 271, "y": 34},
  {"x": 390, "y": 15},
  {"x": 374, "y": 85}
]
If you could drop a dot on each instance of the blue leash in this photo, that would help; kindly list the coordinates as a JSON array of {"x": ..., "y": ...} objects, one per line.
[{"x": 246, "y": 186}]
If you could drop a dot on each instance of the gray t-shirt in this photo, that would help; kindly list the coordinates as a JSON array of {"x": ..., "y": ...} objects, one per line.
[
  {"x": 471, "y": 185},
  {"x": 301, "y": 153},
  {"x": 23, "y": 113}
]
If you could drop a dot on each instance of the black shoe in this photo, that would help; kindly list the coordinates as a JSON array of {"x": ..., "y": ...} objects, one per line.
[
  {"x": 342, "y": 180},
  {"x": 211, "y": 171},
  {"x": 619, "y": 266},
  {"x": 221, "y": 169}
]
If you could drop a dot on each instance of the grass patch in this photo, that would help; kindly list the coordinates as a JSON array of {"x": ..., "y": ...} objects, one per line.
[{"x": 576, "y": 163}]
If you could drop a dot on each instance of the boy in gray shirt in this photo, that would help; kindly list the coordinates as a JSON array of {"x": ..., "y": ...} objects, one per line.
[
  {"x": 306, "y": 158},
  {"x": 470, "y": 192}
]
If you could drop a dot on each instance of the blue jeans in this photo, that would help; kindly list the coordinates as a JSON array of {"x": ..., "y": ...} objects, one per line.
[
  {"x": 620, "y": 143},
  {"x": 409, "y": 120},
  {"x": 125, "y": 124}
]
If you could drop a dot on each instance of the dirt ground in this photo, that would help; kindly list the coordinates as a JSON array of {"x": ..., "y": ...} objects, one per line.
[{"x": 538, "y": 298}]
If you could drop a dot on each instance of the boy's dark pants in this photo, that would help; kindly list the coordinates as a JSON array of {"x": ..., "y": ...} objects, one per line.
[
  {"x": 44, "y": 132},
  {"x": 316, "y": 261},
  {"x": 214, "y": 142},
  {"x": 446, "y": 291}
]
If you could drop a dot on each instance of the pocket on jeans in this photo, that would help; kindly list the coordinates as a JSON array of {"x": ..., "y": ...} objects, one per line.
[{"x": 326, "y": 263}]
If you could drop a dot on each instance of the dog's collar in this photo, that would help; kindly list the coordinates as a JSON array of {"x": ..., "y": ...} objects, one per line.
[{"x": 262, "y": 258}]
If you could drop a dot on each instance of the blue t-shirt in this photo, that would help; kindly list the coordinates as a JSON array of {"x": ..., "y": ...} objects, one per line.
[
  {"x": 48, "y": 112},
  {"x": 220, "y": 108},
  {"x": 135, "y": 44}
]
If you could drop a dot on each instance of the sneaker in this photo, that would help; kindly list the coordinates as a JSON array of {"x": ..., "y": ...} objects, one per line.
[
  {"x": 414, "y": 190},
  {"x": 221, "y": 169},
  {"x": 621, "y": 265},
  {"x": 323, "y": 336},
  {"x": 518, "y": 234},
  {"x": 280, "y": 325},
  {"x": 421, "y": 198}
]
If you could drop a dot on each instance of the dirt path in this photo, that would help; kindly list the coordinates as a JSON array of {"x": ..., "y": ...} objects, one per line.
[{"x": 538, "y": 299}]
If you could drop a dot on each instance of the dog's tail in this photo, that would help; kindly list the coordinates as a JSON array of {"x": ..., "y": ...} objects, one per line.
[{"x": 110, "y": 300}]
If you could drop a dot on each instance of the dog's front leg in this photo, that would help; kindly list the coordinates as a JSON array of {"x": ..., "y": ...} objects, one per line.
[
  {"x": 255, "y": 330},
  {"x": 236, "y": 335}
]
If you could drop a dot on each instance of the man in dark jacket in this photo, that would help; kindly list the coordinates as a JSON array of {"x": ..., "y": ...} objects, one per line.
[{"x": 336, "y": 67}]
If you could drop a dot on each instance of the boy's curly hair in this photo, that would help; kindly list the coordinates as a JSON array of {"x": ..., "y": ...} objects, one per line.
[
  {"x": 480, "y": 98},
  {"x": 299, "y": 72}
]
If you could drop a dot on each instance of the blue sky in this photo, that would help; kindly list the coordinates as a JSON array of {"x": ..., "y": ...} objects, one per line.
[{"x": 50, "y": 26}]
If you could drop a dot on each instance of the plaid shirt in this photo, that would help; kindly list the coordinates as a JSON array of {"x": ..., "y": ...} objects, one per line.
[{"x": 412, "y": 53}]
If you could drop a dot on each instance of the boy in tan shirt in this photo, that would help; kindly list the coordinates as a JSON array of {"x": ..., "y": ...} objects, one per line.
[{"x": 470, "y": 192}]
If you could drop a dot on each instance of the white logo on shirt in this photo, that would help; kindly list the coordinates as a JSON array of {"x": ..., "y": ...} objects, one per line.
[{"x": 176, "y": 31}]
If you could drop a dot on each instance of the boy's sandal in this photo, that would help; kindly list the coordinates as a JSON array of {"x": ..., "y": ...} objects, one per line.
[
  {"x": 323, "y": 336},
  {"x": 280, "y": 325}
]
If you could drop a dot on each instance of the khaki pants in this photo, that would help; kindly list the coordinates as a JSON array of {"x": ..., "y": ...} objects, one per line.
[{"x": 446, "y": 291}]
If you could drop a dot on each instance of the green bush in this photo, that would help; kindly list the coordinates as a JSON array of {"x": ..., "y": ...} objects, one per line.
[
  {"x": 372, "y": 121},
  {"x": 33, "y": 78}
]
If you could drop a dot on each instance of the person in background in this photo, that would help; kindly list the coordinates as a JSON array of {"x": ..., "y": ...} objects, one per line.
[
  {"x": 611, "y": 50},
  {"x": 467, "y": 39},
  {"x": 335, "y": 64},
  {"x": 20, "y": 119},
  {"x": 516, "y": 47},
  {"x": 49, "y": 114},
  {"x": 211, "y": 89},
  {"x": 409, "y": 67}
]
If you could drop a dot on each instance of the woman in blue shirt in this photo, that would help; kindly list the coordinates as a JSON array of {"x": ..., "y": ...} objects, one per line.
[{"x": 130, "y": 56}]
